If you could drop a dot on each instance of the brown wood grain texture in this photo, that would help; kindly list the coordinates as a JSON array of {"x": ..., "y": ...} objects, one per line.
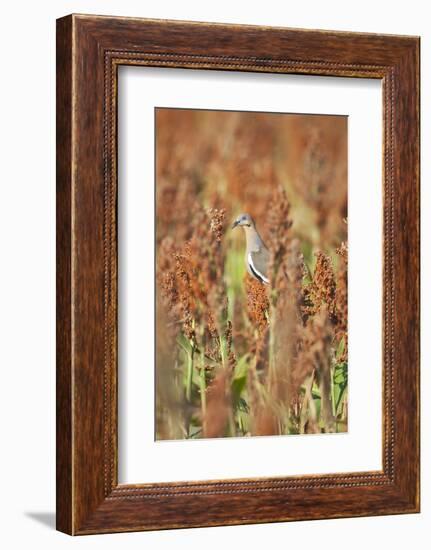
[
  {"x": 89, "y": 51},
  {"x": 64, "y": 495}
]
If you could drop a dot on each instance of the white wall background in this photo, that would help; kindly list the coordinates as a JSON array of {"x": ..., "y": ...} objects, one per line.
[{"x": 27, "y": 279}]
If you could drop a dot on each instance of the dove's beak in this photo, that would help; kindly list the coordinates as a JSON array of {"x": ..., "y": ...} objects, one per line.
[{"x": 235, "y": 223}]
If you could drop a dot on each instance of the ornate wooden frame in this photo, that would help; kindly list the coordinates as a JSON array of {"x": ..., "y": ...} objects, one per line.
[{"x": 89, "y": 51}]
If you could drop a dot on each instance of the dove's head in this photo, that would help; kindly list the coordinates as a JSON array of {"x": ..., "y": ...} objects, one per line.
[{"x": 244, "y": 220}]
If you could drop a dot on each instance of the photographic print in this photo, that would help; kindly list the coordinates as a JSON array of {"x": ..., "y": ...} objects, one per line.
[{"x": 251, "y": 274}]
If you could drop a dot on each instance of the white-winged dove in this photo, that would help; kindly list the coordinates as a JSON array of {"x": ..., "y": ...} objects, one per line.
[{"x": 256, "y": 254}]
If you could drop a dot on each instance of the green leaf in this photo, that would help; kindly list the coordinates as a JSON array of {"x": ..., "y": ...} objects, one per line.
[
  {"x": 239, "y": 380},
  {"x": 241, "y": 368},
  {"x": 340, "y": 380},
  {"x": 340, "y": 349},
  {"x": 238, "y": 385},
  {"x": 340, "y": 373},
  {"x": 195, "y": 432},
  {"x": 317, "y": 402},
  {"x": 243, "y": 405},
  {"x": 185, "y": 343}
]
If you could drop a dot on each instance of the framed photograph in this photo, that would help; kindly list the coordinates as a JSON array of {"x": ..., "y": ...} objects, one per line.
[{"x": 237, "y": 274}]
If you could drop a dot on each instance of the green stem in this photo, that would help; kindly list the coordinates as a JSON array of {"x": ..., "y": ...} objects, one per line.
[
  {"x": 271, "y": 353},
  {"x": 334, "y": 409},
  {"x": 203, "y": 387},
  {"x": 223, "y": 351},
  {"x": 190, "y": 357}
]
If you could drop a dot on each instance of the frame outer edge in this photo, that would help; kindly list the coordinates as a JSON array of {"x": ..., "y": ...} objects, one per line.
[
  {"x": 81, "y": 508},
  {"x": 407, "y": 273},
  {"x": 64, "y": 368}
]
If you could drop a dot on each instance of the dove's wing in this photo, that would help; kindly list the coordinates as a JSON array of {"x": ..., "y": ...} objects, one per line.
[{"x": 258, "y": 262}]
